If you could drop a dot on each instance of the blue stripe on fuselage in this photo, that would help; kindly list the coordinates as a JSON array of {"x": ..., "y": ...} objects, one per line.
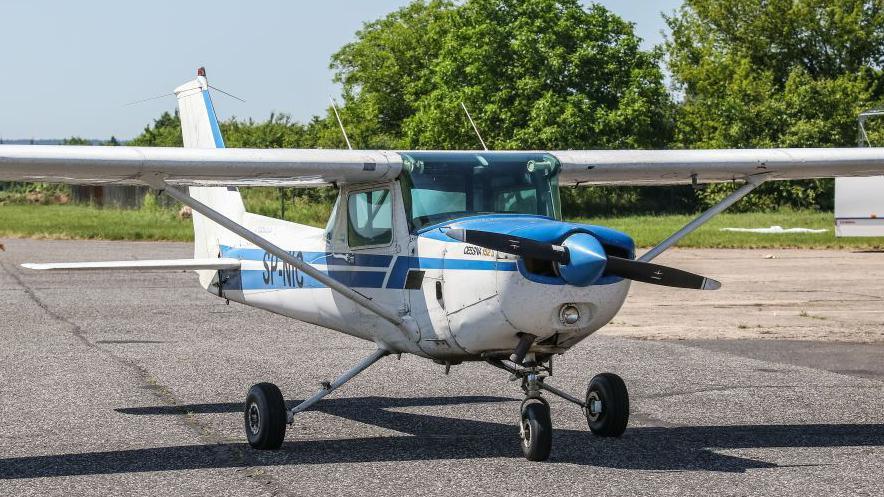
[
  {"x": 289, "y": 278},
  {"x": 278, "y": 275},
  {"x": 321, "y": 258}
]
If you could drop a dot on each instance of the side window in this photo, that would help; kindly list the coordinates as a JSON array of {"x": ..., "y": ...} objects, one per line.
[{"x": 370, "y": 218}]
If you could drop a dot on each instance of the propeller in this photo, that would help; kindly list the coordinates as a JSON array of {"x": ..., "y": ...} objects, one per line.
[{"x": 644, "y": 272}]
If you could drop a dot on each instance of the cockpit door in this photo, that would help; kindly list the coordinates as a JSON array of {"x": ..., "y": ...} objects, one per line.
[
  {"x": 424, "y": 286},
  {"x": 365, "y": 239}
]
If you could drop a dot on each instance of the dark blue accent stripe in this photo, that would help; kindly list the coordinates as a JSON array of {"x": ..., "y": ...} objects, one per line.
[
  {"x": 324, "y": 258},
  {"x": 213, "y": 120},
  {"x": 287, "y": 277},
  {"x": 400, "y": 271},
  {"x": 254, "y": 279}
]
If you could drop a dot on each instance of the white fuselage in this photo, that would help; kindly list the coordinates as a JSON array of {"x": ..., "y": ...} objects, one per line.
[{"x": 467, "y": 301}]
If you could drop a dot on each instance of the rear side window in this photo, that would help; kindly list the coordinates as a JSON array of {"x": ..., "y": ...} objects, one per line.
[{"x": 370, "y": 218}]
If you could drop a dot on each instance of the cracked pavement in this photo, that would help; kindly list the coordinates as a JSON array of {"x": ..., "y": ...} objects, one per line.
[{"x": 132, "y": 383}]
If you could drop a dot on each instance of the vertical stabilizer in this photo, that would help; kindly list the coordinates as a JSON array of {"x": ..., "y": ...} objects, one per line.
[{"x": 199, "y": 128}]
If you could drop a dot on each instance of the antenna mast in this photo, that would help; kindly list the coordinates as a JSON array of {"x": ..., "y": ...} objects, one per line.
[
  {"x": 341, "y": 124},
  {"x": 474, "y": 125}
]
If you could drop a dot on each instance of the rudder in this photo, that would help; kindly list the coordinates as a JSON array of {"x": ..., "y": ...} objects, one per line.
[{"x": 200, "y": 129}]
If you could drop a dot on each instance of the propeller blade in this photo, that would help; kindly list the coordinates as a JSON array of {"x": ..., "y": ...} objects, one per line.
[
  {"x": 515, "y": 245},
  {"x": 645, "y": 272},
  {"x": 656, "y": 274}
]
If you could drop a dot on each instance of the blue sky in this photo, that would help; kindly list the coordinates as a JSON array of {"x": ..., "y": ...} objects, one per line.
[{"x": 69, "y": 68}]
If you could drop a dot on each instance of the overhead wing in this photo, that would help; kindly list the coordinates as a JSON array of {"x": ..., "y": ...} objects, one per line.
[
  {"x": 149, "y": 265},
  {"x": 195, "y": 167},
  {"x": 670, "y": 167},
  {"x": 312, "y": 167}
]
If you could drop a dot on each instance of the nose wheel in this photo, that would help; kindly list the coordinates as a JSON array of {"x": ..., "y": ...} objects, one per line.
[
  {"x": 536, "y": 431},
  {"x": 606, "y": 407}
]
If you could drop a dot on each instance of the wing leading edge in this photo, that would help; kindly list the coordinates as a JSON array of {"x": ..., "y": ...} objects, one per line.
[
  {"x": 671, "y": 167},
  {"x": 195, "y": 167},
  {"x": 303, "y": 167}
]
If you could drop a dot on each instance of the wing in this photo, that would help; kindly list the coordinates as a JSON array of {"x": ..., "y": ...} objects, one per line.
[
  {"x": 302, "y": 167},
  {"x": 184, "y": 166},
  {"x": 670, "y": 167}
]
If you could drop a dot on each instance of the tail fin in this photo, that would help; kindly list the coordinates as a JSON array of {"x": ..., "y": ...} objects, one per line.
[{"x": 199, "y": 128}]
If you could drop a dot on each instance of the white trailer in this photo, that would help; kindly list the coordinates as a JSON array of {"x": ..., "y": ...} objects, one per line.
[
  {"x": 859, "y": 202},
  {"x": 859, "y": 206}
]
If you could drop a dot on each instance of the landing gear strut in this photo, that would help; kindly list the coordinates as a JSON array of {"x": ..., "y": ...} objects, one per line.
[
  {"x": 266, "y": 415},
  {"x": 606, "y": 406}
]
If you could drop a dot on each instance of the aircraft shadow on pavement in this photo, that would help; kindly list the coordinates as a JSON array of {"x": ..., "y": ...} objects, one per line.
[{"x": 431, "y": 437}]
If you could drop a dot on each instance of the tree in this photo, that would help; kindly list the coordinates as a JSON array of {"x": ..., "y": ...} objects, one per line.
[
  {"x": 543, "y": 74},
  {"x": 779, "y": 73},
  {"x": 535, "y": 74},
  {"x": 165, "y": 132},
  {"x": 388, "y": 69}
]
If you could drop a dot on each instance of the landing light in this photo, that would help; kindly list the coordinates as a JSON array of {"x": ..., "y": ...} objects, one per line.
[{"x": 569, "y": 314}]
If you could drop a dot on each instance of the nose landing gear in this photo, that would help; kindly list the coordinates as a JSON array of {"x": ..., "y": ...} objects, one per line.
[
  {"x": 606, "y": 406},
  {"x": 536, "y": 430}
]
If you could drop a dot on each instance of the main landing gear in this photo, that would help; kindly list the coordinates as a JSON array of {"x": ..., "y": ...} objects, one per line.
[
  {"x": 266, "y": 416},
  {"x": 606, "y": 406}
]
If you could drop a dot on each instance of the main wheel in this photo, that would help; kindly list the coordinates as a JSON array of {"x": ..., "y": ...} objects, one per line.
[
  {"x": 536, "y": 431},
  {"x": 265, "y": 417},
  {"x": 607, "y": 405}
]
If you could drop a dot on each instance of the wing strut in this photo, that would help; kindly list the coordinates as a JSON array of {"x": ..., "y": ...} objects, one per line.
[
  {"x": 752, "y": 182},
  {"x": 405, "y": 324}
]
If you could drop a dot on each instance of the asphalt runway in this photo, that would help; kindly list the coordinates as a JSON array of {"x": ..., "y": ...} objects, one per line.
[{"x": 132, "y": 383}]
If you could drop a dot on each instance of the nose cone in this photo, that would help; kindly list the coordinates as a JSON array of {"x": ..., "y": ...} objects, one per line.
[{"x": 588, "y": 260}]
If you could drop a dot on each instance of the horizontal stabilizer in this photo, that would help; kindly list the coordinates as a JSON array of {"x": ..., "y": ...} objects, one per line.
[{"x": 156, "y": 265}]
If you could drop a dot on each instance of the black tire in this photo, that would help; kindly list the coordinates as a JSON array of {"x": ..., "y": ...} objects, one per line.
[
  {"x": 536, "y": 432},
  {"x": 265, "y": 417},
  {"x": 614, "y": 416}
]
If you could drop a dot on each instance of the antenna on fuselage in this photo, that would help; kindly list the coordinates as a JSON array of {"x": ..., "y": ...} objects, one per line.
[
  {"x": 474, "y": 125},
  {"x": 340, "y": 123}
]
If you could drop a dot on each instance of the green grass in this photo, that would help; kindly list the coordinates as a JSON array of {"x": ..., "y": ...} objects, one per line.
[
  {"x": 84, "y": 222},
  {"x": 648, "y": 230}
]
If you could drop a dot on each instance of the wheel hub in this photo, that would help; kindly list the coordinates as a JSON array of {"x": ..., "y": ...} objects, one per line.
[
  {"x": 254, "y": 418},
  {"x": 525, "y": 432},
  {"x": 593, "y": 406}
]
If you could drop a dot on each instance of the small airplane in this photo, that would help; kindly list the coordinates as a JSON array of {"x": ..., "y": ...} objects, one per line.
[{"x": 449, "y": 255}]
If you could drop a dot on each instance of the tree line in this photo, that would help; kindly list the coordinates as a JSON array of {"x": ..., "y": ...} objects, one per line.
[{"x": 555, "y": 74}]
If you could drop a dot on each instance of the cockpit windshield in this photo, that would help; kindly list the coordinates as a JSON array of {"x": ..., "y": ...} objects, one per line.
[{"x": 439, "y": 186}]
